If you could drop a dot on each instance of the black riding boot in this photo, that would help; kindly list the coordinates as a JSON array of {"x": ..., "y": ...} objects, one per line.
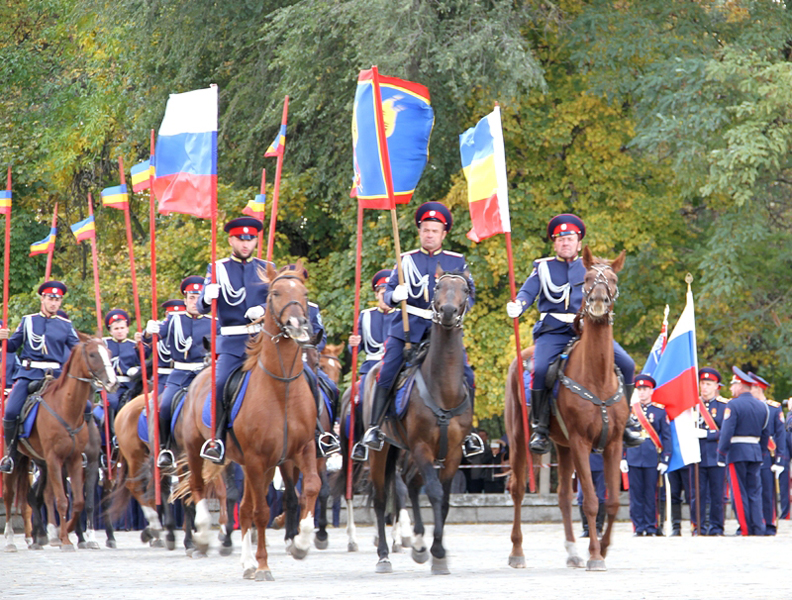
[
  {"x": 165, "y": 460},
  {"x": 600, "y": 518},
  {"x": 676, "y": 520},
  {"x": 661, "y": 515},
  {"x": 473, "y": 443},
  {"x": 373, "y": 438},
  {"x": 583, "y": 522},
  {"x": 540, "y": 422},
  {"x": 10, "y": 428},
  {"x": 214, "y": 449},
  {"x": 631, "y": 438}
]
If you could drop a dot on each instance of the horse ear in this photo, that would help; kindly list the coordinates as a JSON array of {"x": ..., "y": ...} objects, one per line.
[
  {"x": 588, "y": 258},
  {"x": 439, "y": 271},
  {"x": 298, "y": 267},
  {"x": 271, "y": 272},
  {"x": 83, "y": 337},
  {"x": 466, "y": 273},
  {"x": 617, "y": 264}
]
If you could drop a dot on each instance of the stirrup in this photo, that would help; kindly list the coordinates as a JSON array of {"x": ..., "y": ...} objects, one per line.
[
  {"x": 7, "y": 464},
  {"x": 114, "y": 443},
  {"x": 360, "y": 452},
  {"x": 328, "y": 444},
  {"x": 213, "y": 450},
  {"x": 539, "y": 443},
  {"x": 373, "y": 438},
  {"x": 166, "y": 459},
  {"x": 473, "y": 445},
  {"x": 84, "y": 461}
]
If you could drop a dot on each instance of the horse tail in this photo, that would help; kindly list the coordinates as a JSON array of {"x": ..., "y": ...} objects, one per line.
[
  {"x": 211, "y": 473},
  {"x": 21, "y": 483}
]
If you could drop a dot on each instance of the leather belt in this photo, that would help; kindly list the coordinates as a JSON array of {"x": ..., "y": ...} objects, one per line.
[
  {"x": 424, "y": 313},
  {"x": 377, "y": 356},
  {"x": 40, "y": 364},
  {"x": 123, "y": 379},
  {"x": 745, "y": 439},
  {"x": 565, "y": 317},
  {"x": 190, "y": 366},
  {"x": 241, "y": 329},
  {"x": 164, "y": 371}
]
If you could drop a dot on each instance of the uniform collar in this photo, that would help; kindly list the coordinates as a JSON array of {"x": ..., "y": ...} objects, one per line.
[
  {"x": 245, "y": 261},
  {"x": 41, "y": 312},
  {"x": 425, "y": 251},
  {"x": 389, "y": 311},
  {"x": 569, "y": 262}
]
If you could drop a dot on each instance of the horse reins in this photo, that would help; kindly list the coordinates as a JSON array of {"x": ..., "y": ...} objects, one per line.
[
  {"x": 436, "y": 313},
  {"x": 600, "y": 278}
]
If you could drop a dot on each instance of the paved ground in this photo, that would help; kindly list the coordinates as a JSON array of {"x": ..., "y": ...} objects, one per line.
[{"x": 726, "y": 567}]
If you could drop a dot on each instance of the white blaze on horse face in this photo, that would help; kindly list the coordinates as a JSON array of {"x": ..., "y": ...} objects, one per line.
[{"x": 111, "y": 378}]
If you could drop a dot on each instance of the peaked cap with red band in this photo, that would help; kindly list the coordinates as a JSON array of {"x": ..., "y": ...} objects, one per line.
[
  {"x": 566, "y": 224},
  {"x": 434, "y": 211}
]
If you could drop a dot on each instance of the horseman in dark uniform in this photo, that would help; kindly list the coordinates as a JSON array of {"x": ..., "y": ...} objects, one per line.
[
  {"x": 183, "y": 333},
  {"x": 556, "y": 284},
  {"x": 124, "y": 355},
  {"x": 45, "y": 340},
  {"x": 241, "y": 296},
  {"x": 434, "y": 222},
  {"x": 373, "y": 326}
]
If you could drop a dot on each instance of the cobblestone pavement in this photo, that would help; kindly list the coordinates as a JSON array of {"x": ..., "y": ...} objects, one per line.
[{"x": 725, "y": 567}]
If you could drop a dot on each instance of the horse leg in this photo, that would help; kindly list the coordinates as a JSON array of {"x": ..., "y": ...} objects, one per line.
[
  {"x": 226, "y": 546},
  {"x": 320, "y": 538},
  {"x": 311, "y": 484},
  {"x": 75, "y": 471},
  {"x": 8, "y": 501},
  {"x": 379, "y": 464},
  {"x": 517, "y": 492},
  {"x": 110, "y": 542},
  {"x": 61, "y": 501},
  {"x": 291, "y": 504},
  {"x": 434, "y": 490},
  {"x": 167, "y": 513},
  {"x": 257, "y": 480},
  {"x": 35, "y": 496},
  {"x": 565, "y": 468},
  {"x": 612, "y": 457},
  {"x": 405, "y": 536},
  {"x": 580, "y": 455},
  {"x": 91, "y": 479},
  {"x": 420, "y": 554},
  {"x": 249, "y": 563},
  {"x": 203, "y": 520}
]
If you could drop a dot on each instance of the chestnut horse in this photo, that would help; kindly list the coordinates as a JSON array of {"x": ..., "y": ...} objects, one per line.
[
  {"x": 438, "y": 419},
  {"x": 59, "y": 434},
  {"x": 275, "y": 427},
  {"x": 581, "y": 424}
]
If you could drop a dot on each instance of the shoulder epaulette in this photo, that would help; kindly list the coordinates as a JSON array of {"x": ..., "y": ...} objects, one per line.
[
  {"x": 722, "y": 399},
  {"x": 31, "y": 315},
  {"x": 656, "y": 405},
  {"x": 63, "y": 318},
  {"x": 449, "y": 253},
  {"x": 773, "y": 403},
  {"x": 545, "y": 259},
  {"x": 411, "y": 252},
  {"x": 372, "y": 309},
  {"x": 107, "y": 339},
  {"x": 314, "y": 304}
]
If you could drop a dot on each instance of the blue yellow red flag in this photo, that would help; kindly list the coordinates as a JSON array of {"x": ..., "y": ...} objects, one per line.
[
  {"x": 43, "y": 246},
  {"x": 140, "y": 176},
  {"x": 85, "y": 229},
  {"x": 115, "y": 197},
  {"x": 5, "y": 202},
  {"x": 409, "y": 118},
  {"x": 484, "y": 164},
  {"x": 277, "y": 146},
  {"x": 255, "y": 208}
]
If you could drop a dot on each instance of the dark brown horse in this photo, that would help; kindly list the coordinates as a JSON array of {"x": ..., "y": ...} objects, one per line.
[
  {"x": 580, "y": 425},
  {"x": 438, "y": 419},
  {"x": 274, "y": 428},
  {"x": 59, "y": 435}
]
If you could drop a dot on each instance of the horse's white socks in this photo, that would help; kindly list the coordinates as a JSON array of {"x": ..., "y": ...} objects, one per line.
[
  {"x": 571, "y": 548},
  {"x": 9, "y": 533},
  {"x": 350, "y": 528},
  {"x": 303, "y": 539},
  {"x": 203, "y": 521},
  {"x": 152, "y": 517},
  {"x": 418, "y": 543},
  {"x": 52, "y": 532},
  {"x": 90, "y": 536},
  {"x": 405, "y": 526},
  {"x": 248, "y": 559}
]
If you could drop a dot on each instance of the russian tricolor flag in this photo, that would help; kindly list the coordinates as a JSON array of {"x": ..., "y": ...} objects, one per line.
[
  {"x": 677, "y": 387},
  {"x": 484, "y": 165},
  {"x": 186, "y": 154}
]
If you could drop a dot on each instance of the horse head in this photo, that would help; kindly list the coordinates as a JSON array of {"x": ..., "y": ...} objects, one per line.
[
  {"x": 600, "y": 285},
  {"x": 287, "y": 302},
  {"x": 450, "y": 300},
  {"x": 96, "y": 358}
]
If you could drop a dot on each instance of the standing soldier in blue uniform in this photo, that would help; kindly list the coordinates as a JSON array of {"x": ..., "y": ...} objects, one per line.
[
  {"x": 373, "y": 326},
  {"x": 775, "y": 458},
  {"x": 744, "y": 435},
  {"x": 45, "y": 340},
  {"x": 711, "y": 476},
  {"x": 183, "y": 334},
  {"x": 556, "y": 284},
  {"x": 124, "y": 356},
  {"x": 241, "y": 296},
  {"x": 643, "y": 463},
  {"x": 784, "y": 480},
  {"x": 434, "y": 222}
]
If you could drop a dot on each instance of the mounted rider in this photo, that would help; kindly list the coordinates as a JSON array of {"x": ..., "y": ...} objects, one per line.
[
  {"x": 434, "y": 221},
  {"x": 45, "y": 340},
  {"x": 241, "y": 294},
  {"x": 556, "y": 284},
  {"x": 124, "y": 355},
  {"x": 183, "y": 333}
]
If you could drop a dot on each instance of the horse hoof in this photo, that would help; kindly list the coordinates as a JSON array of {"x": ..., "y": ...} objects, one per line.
[
  {"x": 264, "y": 576},
  {"x": 321, "y": 544},
  {"x": 596, "y": 565},
  {"x": 517, "y": 562},
  {"x": 198, "y": 553},
  {"x": 33, "y": 546},
  {"x": 189, "y": 551},
  {"x": 93, "y": 545},
  {"x": 397, "y": 548},
  {"x": 575, "y": 562},
  {"x": 352, "y": 547},
  {"x": 170, "y": 544},
  {"x": 42, "y": 540},
  {"x": 55, "y": 542},
  {"x": 249, "y": 573},
  {"x": 299, "y": 553},
  {"x": 383, "y": 566},
  {"x": 201, "y": 549},
  {"x": 406, "y": 542},
  {"x": 145, "y": 536},
  {"x": 13, "y": 548},
  {"x": 226, "y": 550},
  {"x": 111, "y": 544},
  {"x": 82, "y": 545},
  {"x": 420, "y": 556},
  {"x": 440, "y": 566},
  {"x": 68, "y": 548},
  {"x": 158, "y": 543}
]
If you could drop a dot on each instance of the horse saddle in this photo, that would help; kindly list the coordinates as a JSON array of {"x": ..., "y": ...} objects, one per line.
[
  {"x": 555, "y": 371},
  {"x": 405, "y": 379},
  {"x": 30, "y": 408},
  {"x": 178, "y": 403},
  {"x": 323, "y": 393},
  {"x": 232, "y": 397}
]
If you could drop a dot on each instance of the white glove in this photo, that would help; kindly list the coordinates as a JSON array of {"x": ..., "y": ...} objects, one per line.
[
  {"x": 132, "y": 371},
  {"x": 513, "y": 309},
  {"x": 211, "y": 292},
  {"x": 623, "y": 466},
  {"x": 152, "y": 327},
  {"x": 701, "y": 433},
  {"x": 662, "y": 468},
  {"x": 254, "y": 313},
  {"x": 777, "y": 470},
  {"x": 400, "y": 293},
  {"x": 721, "y": 464}
]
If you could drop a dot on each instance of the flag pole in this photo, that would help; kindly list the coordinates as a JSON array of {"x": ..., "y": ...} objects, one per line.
[
  {"x": 154, "y": 336},
  {"x": 6, "y": 267},
  {"x": 51, "y": 250},
  {"x": 261, "y": 233},
  {"x": 276, "y": 189},
  {"x": 386, "y": 168},
  {"x": 98, "y": 302},
  {"x": 213, "y": 328},
  {"x": 130, "y": 246},
  {"x": 355, "y": 350}
]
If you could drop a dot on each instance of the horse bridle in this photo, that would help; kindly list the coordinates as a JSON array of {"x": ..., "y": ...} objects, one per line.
[
  {"x": 436, "y": 313},
  {"x": 96, "y": 382},
  {"x": 600, "y": 278},
  {"x": 277, "y": 316}
]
